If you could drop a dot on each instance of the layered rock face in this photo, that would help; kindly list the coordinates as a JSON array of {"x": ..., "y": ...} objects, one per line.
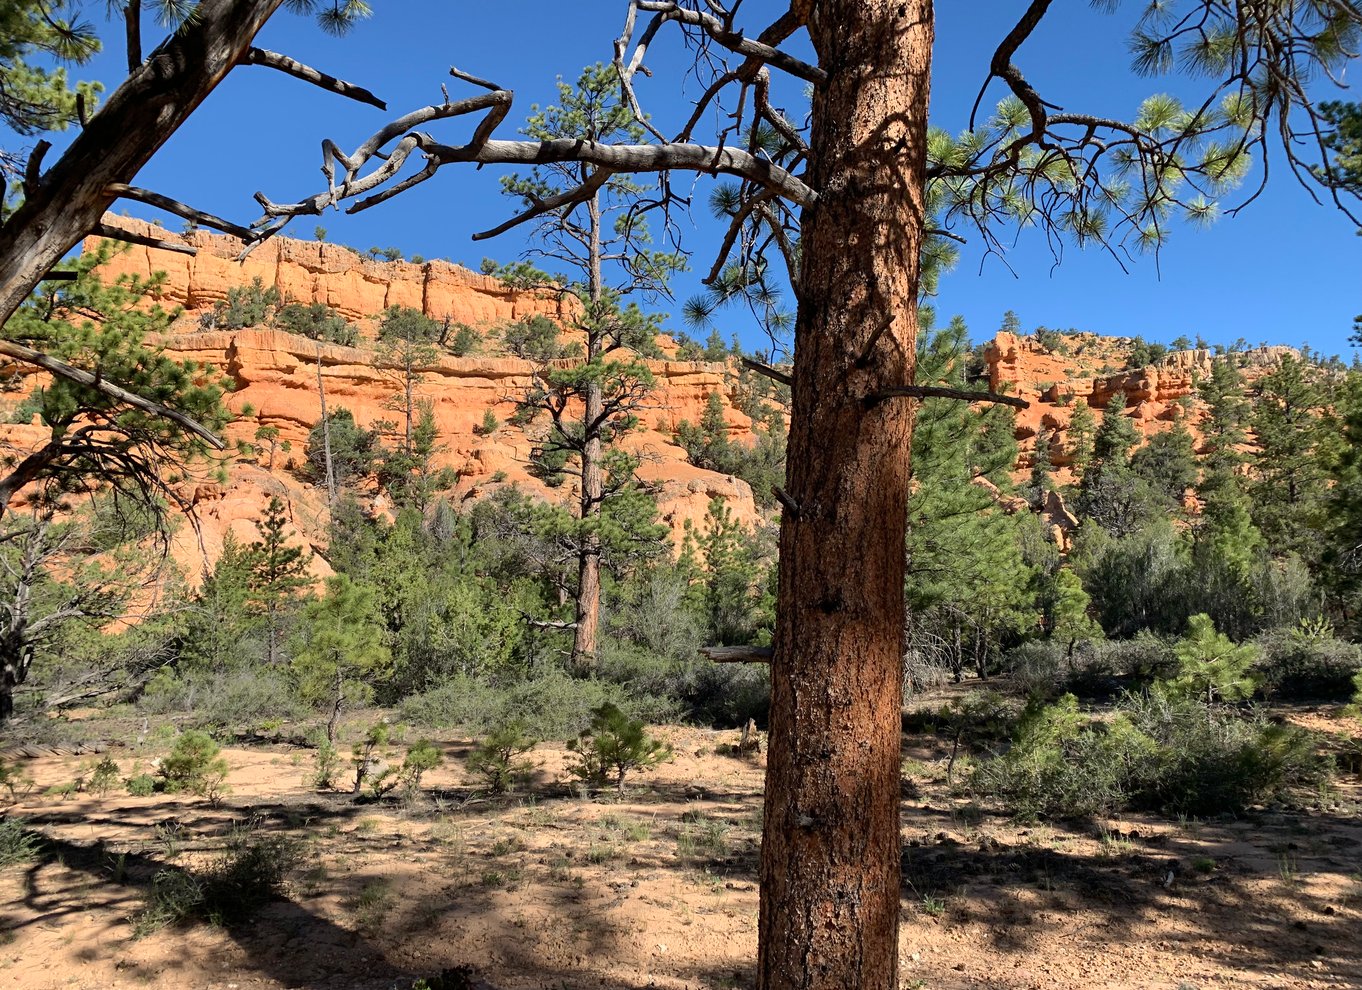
[
  {"x": 1154, "y": 397},
  {"x": 277, "y": 381}
]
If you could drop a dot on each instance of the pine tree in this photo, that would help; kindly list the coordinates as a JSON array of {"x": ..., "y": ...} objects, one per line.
[
  {"x": 1167, "y": 463},
  {"x": 1211, "y": 666},
  {"x": 1289, "y": 485},
  {"x": 221, "y": 622},
  {"x": 340, "y": 653},
  {"x": 590, "y": 405},
  {"x": 1079, "y": 439},
  {"x": 278, "y": 574},
  {"x": 1039, "y": 484},
  {"x": 113, "y": 331},
  {"x": 1071, "y": 611},
  {"x": 967, "y": 585}
]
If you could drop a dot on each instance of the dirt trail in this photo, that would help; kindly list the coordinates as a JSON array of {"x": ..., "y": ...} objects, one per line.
[{"x": 658, "y": 889}]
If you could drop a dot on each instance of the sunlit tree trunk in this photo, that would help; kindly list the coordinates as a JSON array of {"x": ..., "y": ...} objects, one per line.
[{"x": 830, "y": 849}]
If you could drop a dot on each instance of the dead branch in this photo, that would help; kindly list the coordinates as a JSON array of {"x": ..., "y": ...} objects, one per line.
[
  {"x": 273, "y": 60},
  {"x": 124, "y": 191},
  {"x": 941, "y": 392},
  {"x": 145, "y": 240},
  {"x": 737, "y": 654}
]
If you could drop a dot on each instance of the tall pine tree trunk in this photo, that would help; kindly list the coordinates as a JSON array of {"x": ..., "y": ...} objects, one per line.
[
  {"x": 588, "y": 616},
  {"x": 830, "y": 849}
]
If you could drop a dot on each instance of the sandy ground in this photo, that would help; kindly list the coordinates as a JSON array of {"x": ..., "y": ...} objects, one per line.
[{"x": 549, "y": 889}]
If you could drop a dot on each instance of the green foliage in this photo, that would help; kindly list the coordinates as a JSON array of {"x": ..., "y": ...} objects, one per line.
[
  {"x": 534, "y": 338},
  {"x": 761, "y": 465},
  {"x": 968, "y": 585},
  {"x": 734, "y": 580},
  {"x": 18, "y": 843},
  {"x": 1158, "y": 752},
  {"x": 110, "y": 330},
  {"x": 497, "y": 757},
  {"x": 316, "y": 321},
  {"x": 407, "y": 325},
  {"x": 340, "y": 651},
  {"x": 246, "y": 306},
  {"x": 1211, "y": 665},
  {"x": 194, "y": 765},
  {"x": 252, "y": 870},
  {"x": 613, "y": 745},
  {"x": 489, "y": 423},
  {"x": 422, "y": 757},
  {"x": 326, "y": 763},
  {"x": 141, "y": 785},
  {"x": 353, "y": 450},
  {"x": 1288, "y": 496},
  {"x": 465, "y": 341},
  {"x": 1297, "y": 664}
]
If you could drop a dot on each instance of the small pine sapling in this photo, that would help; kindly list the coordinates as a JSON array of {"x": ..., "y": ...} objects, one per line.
[
  {"x": 421, "y": 756},
  {"x": 362, "y": 756},
  {"x": 194, "y": 765},
  {"x": 1211, "y": 665},
  {"x": 496, "y": 758},
  {"x": 614, "y": 745}
]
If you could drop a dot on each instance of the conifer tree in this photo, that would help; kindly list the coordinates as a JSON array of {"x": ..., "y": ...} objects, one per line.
[
  {"x": 110, "y": 330},
  {"x": 1167, "y": 464},
  {"x": 1211, "y": 666},
  {"x": 590, "y": 405},
  {"x": 341, "y": 652},
  {"x": 278, "y": 574},
  {"x": 1039, "y": 484},
  {"x": 1289, "y": 485},
  {"x": 1079, "y": 439}
]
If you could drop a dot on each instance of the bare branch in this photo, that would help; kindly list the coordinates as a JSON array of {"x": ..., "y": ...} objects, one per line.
[
  {"x": 22, "y": 353},
  {"x": 174, "y": 206},
  {"x": 273, "y": 60},
  {"x": 737, "y": 654},
  {"x": 145, "y": 240},
  {"x": 766, "y": 371},
  {"x": 941, "y": 392},
  {"x": 33, "y": 171}
]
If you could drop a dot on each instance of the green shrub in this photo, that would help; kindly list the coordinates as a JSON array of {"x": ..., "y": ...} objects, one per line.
[
  {"x": 251, "y": 872},
  {"x": 104, "y": 776},
  {"x": 18, "y": 844},
  {"x": 465, "y": 341},
  {"x": 194, "y": 765},
  {"x": 1214, "y": 760},
  {"x": 614, "y": 745},
  {"x": 363, "y": 757},
  {"x": 245, "y": 306},
  {"x": 1211, "y": 665},
  {"x": 14, "y": 780},
  {"x": 326, "y": 765},
  {"x": 1063, "y": 764},
  {"x": 422, "y": 756},
  {"x": 316, "y": 321},
  {"x": 550, "y": 705},
  {"x": 1297, "y": 666},
  {"x": 1160, "y": 751},
  {"x": 142, "y": 785},
  {"x": 496, "y": 758},
  {"x": 245, "y": 698},
  {"x": 534, "y": 338}
]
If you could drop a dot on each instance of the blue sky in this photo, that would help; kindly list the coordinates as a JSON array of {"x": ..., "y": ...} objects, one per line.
[{"x": 1284, "y": 271}]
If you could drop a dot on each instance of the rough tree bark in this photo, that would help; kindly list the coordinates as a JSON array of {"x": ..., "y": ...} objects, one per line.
[
  {"x": 830, "y": 850},
  {"x": 588, "y": 615},
  {"x": 158, "y": 96}
]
